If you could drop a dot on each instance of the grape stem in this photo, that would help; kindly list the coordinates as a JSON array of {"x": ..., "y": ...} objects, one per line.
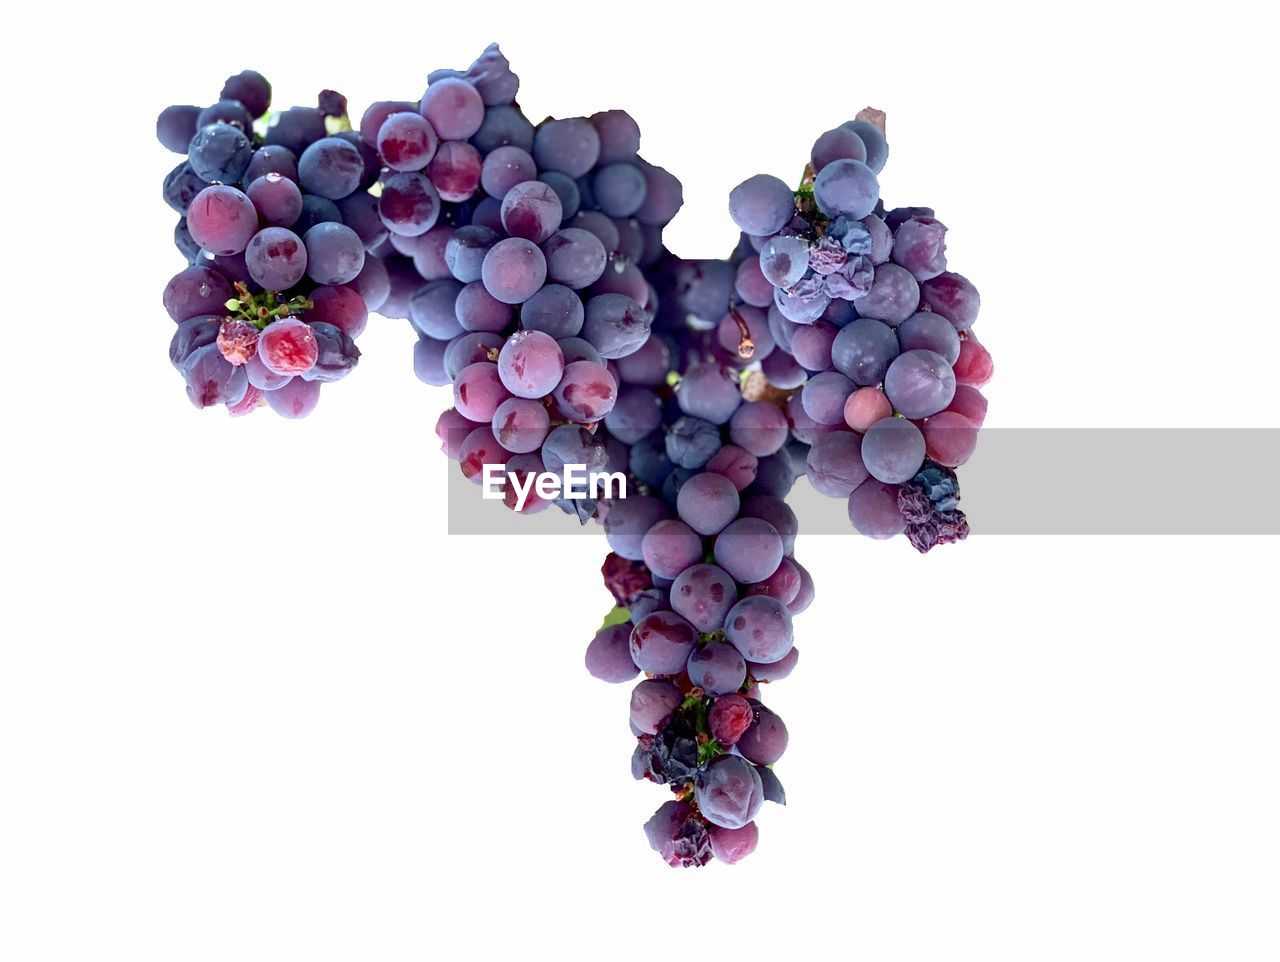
[{"x": 746, "y": 346}]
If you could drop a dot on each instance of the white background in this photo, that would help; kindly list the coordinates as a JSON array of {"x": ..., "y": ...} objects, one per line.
[{"x": 254, "y": 704}]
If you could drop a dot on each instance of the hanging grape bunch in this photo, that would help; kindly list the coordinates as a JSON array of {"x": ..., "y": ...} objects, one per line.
[{"x": 529, "y": 261}]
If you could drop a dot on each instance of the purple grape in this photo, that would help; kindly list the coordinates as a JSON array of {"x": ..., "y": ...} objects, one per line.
[
  {"x": 531, "y": 364},
  {"x": 920, "y": 383},
  {"x": 176, "y": 126},
  {"x": 877, "y": 147},
  {"x": 191, "y": 335},
  {"x": 586, "y": 392},
  {"x": 637, "y": 412},
  {"x": 570, "y": 444},
  {"x": 728, "y": 792},
  {"x": 531, "y": 210},
  {"x": 646, "y": 603},
  {"x": 619, "y": 135},
  {"x": 669, "y": 547},
  {"x": 662, "y": 642},
  {"x": 777, "y": 513},
  {"x": 219, "y": 152},
  {"x": 759, "y": 626},
  {"x": 407, "y": 141},
  {"x": 893, "y": 450},
  {"x": 782, "y": 371},
  {"x": 823, "y": 397},
  {"x": 212, "y": 379},
  {"x": 709, "y": 392},
  {"x": 315, "y": 210},
  {"x": 804, "y": 597},
  {"x": 776, "y": 671},
  {"x": 271, "y": 160},
  {"x": 521, "y": 425},
  {"x": 465, "y": 251},
  {"x": 513, "y": 270},
  {"x": 717, "y": 668},
  {"x": 692, "y": 442},
  {"x": 750, "y": 550},
  {"x": 487, "y": 213},
  {"x": 571, "y": 147},
  {"x": 575, "y": 257},
  {"x": 433, "y": 310},
  {"x": 181, "y": 186},
  {"x": 455, "y": 171},
  {"x": 222, "y": 219},
  {"x": 576, "y": 349},
  {"x": 615, "y": 324},
  {"x": 627, "y": 522},
  {"x": 470, "y": 348},
  {"x": 703, "y": 594},
  {"x": 276, "y": 258},
  {"x": 409, "y": 204},
  {"x": 337, "y": 354},
  {"x": 802, "y": 310},
  {"x": 766, "y": 740},
  {"x": 784, "y": 260},
  {"x": 954, "y": 297},
  {"x": 609, "y": 655},
  {"x": 707, "y": 503},
  {"x": 594, "y": 222},
  {"x": 295, "y": 128},
  {"x": 811, "y": 345},
  {"x": 837, "y": 144},
  {"x": 372, "y": 283},
  {"x": 873, "y": 510},
  {"x": 196, "y": 291},
  {"x": 648, "y": 365},
  {"x": 846, "y": 188},
  {"x": 478, "y": 390},
  {"x": 930, "y": 332},
  {"x": 251, "y": 89},
  {"x": 835, "y": 465},
  {"x": 554, "y": 310},
  {"x": 331, "y": 167},
  {"x": 759, "y": 427},
  {"x": 454, "y": 108},
  {"x": 663, "y": 197},
  {"x": 478, "y": 310},
  {"x": 262, "y": 377},
  {"x": 277, "y": 200},
  {"x": 504, "y": 168},
  {"x": 296, "y": 399},
  {"x": 503, "y": 126},
  {"x": 335, "y": 253},
  {"x": 863, "y": 350},
  {"x": 619, "y": 189},
  {"x": 428, "y": 361},
  {"x": 750, "y": 284},
  {"x": 732, "y": 845},
  {"x": 761, "y": 205},
  {"x": 894, "y": 295},
  {"x": 920, "y": 246}
]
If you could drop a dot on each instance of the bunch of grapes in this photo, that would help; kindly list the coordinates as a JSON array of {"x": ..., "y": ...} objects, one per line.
[
  {"x": 883, "y": 365},
  {"x": 519, "y": 253},
  {"x": 529, "y": 259},
  {"x": 272, "y": 218}
]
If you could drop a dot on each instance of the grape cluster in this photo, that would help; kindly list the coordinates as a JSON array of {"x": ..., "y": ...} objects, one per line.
[
  {"x": 877, "y": 333},
  {"x": 529, "y": 259},
  {"x": 521, "y": 264},
  {"x": 272, "y": 216}
]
